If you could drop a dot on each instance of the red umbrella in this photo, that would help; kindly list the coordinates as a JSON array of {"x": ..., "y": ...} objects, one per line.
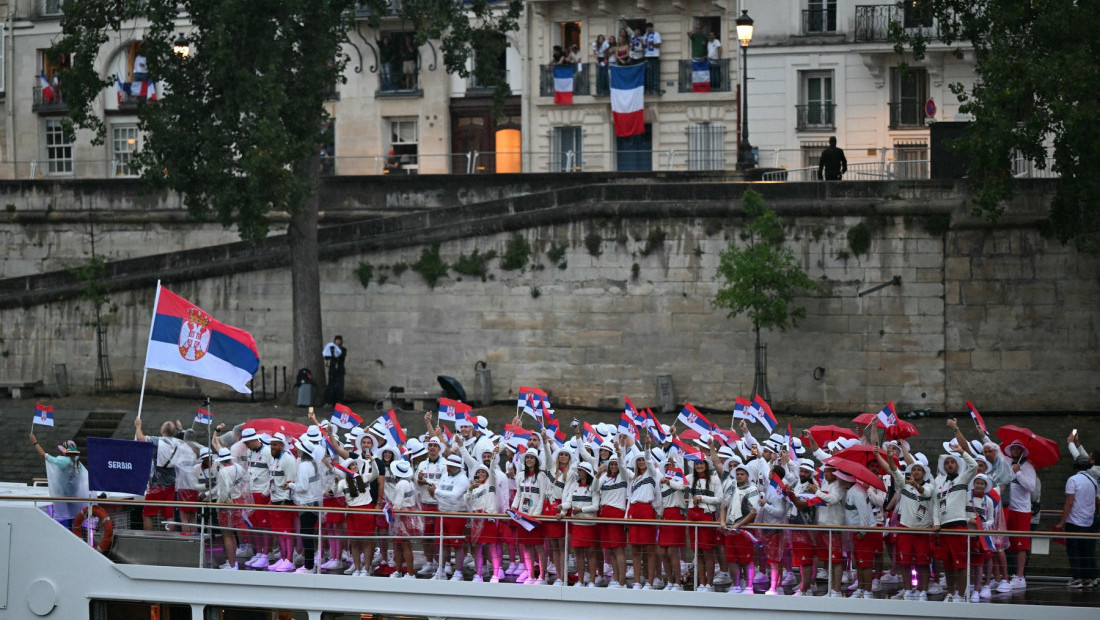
[
  {"x": 901, "y": 430},
  {"x": 864, "y": 455},
  {"x": 859, "y": 472},
  {"x": 688, "y": 434},
  {"x": 271, "y": 426},
  {"x": 1041, "y": 452},
  {"x": 824, "y": 433}
]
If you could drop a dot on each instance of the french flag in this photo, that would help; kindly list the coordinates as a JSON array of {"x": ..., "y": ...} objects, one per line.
[
  {"x": 700, "y": 76},
  {"x": 122, "y": 88},
  {"x": 43, "y": 414},
  {"x": 149, "y": 90},
  {"x": 627, "y": 425},
  {"x": 525, "y": 521},
  {"x": 694, "y": 420},
  {"x": 389, "y": 422},
  {"x": 888, "y": 416},
  {"x": 344, "y": 417},
  {"x": 563, "y": 84},
  {"x": 628, "y": 99},
  {"x": 185, "y": 339},
  {"x": 764, "y": 413},
  {"x": 49, "y": 93},
  {"x": 689, "y": 452},
  {"x": 977, "y": 417},
  {"x": 515, "y": 436},
  {"x": 202, "y": 416},
  {"x": 742, "y": 409}
]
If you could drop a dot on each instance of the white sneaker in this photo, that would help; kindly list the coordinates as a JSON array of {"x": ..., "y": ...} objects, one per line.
[
  {"x": 677, "y": 586},
  {"x": 457, "y": 576},
  {"x": 1018, "y": 583},
  {"x": 1004, "y": 586},
  {"x": 303, "y": 569},
  {"x": 522, "y": 576},
  {"x": 902, "y": 595},
  {"x": 975, "y": 597},
  {"x": 734, "y": 590},
  {"x": 770, "y": 593},
  {"x": 331, "y": 565},
  {"x": 748, "y": 590},
  {"x": 721, "y": 578},
  {"x": 705, "y": 588},
  {"x": 834, "y": 594},
  {"x": 800, "y": 593},
  {"x": 890, "y": 578},
  {"x": 351, "y": 569},
  {"x": 607, "y": 571},
  {"x": 439, "y": 575},
  {"x": 788, "y": 578},
  {"x": 636, "y": 586},
  {"x": 935, "y": 588},
  {"x": 857, "y": 594},
  {"x": 630, "y": 572},
  {"x": 579, "y": 584},
  {"x": 590, "y": 584},
  {"x": 478, "y": 578},
  {"x": 647, "y": 587},
  {"x": 260, "y": 562},
  {"x": 428, "y": 569},
  {"x": 761, "y": 577},
  {"x": 550, "y": 568},
  {"x": 658, "y": 583},
  {"x": 985, "y": 592},
  {"x": 408, "y": 576},
  {"x": 921, "y": 596},
  {"x": 245, "y": 551},
  {"x": 821, "y": 575},
  {"x": 876, "y": 585},
  {"x": 298, "y": 559},
  {"x": 494, "y": 579},
  {"x": 275, "y": 555},
  {"x": 513, "y": 568},
  {"x": 282, "y": 566},
  {"x": 228, "y": 566},
  {"x": 844, "y": 579},
  {"x": 614, "y": 585}
]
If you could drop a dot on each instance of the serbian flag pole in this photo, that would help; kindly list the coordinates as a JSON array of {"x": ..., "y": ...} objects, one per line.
[
  {"x": 888, "y": 416},
  {"x": 184, "y": 338},
  {"x": 700, "y": 76},
  {"x": 563, "y": 84},
  {"x": 628, "y": 99},
  {"x": 977, "y": 418}
]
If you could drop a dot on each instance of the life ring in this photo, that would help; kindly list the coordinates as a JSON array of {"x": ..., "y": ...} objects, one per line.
[{"x": 105, "y": 525}]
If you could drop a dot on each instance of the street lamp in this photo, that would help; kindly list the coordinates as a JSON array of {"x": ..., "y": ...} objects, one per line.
[
  {"x": 181, "y": 48},
  {"x": 744, "y": 35}
]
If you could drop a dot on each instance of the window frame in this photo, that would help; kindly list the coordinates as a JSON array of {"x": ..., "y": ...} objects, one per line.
[
  {"x": 558, "y": 152},
  {"x": 57, "y": 166},
  {"x": 120, "y": 160},
  {"x": 826, "y": 116}
]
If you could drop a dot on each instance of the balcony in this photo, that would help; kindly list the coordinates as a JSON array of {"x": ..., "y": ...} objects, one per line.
[
  {"x": 719, "y": 76},
  {"x": 365, "y": 11},
  {"x": 48, "y": 104},
  {"x": 393, "y": 83},
  {"x": 815, "y": 116},
  {"x": 907, "y": 114},
  {"x": 872, "y": 23},
  {"x": 819, "y": 21},
  {"x": 581, "y": 84},
  {"x": 475, "y": 88},
  {"x": 48, "y": 8}
]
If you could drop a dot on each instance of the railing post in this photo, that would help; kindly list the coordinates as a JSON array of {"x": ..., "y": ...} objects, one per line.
[
  {"x": 320, "y": 535},
  {"x": 89, "y": 530},
  {"x": 564, "y": 559},
  {"x": 439, "y": 551},
  {"x": 967, "y": 568},
  {"x": 695, "y": 560},
  {"x": 202, "y": 538},
  {"x": 829, "y": 563}
]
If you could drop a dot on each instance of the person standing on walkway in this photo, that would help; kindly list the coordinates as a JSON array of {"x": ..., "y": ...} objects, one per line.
[
  {"x": 832, "y": 165},
  {"x": 335, "y": 354},
  {"x": 1079, "y": 515}
]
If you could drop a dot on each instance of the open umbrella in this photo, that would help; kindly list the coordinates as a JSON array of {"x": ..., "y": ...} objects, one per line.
[
  {"x": 824, "y": 433},
  {"x": 864, "y": 455},
  {"x": 275, "y": 425},
  {"x": 859, "y": 472},
  {"x": 1041, "y": 452},
  {"x": 901, "y": 430}
]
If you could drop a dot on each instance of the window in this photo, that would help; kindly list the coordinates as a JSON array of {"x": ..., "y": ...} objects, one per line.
[
  {"x": 811, "y": 153},
  {"x": 817, "y": 109},
  {"x": 3, "y": 46},
  {"x": 328, "y": 148},
  {"x": 125, "y": 610},
  {"x": 124, "y": 142},
  {"x": 910, "y": 160},
  {"x": 916, "y": 14},
  {"x": 59, "y": 148},
  {"x": 49, "y": 7},
  {"x": 705, "y": 146},
  {"x": 568, "y": 34},
  {"x": 400, "y": 64},
  {"x": 490, "y": 64},
  {"x": 908, "y": 92},
  {"x": 820, "y": 16},
  {"x": 566, "y": 151},
  {"x": 405, "y": 143},
  {"x": 215, "y": 612}
]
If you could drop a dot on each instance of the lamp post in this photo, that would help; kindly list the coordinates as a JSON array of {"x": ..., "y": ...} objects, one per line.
[
  {"x": 744, "y": 35},
  {"x": 181, "y": 48}
]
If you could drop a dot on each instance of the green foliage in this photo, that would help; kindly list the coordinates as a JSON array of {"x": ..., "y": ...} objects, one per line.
[
  {"x": 1037, "y": 78},
  {"x": 654, "y": 241},
  {"x": 91, "y": 275},
  {"x": 635, "y": 270},
  {"x": 761, "y": 278},
  {"x": 556, "y": 254},
  {"x": 430, "y": 266},
  {"x": 365, "y": 272},
  {"x": 592, "y": 241},
  {"x": 515, "y": 254},
  {"x": 859, "y": 239},
  {"x": 938, "y": 225},
  {"x": 474, "y": 265},
  {"x": 536, "y": 292},
  {"x": 399, "y": 268}
]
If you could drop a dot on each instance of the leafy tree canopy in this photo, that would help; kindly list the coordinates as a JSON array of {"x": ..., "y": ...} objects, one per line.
[{"x": 1036, "y": 87}]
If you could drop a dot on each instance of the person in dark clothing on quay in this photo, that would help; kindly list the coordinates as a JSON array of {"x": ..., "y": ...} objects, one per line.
[{"x": 833, "y": 164}]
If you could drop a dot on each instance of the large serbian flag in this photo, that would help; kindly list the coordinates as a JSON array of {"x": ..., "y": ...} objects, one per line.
[
  {"x": 185, "y": 339},
  {"x": 627, "y": 99},
  {"x": 700, "y": 76},
  {"x": 563, "y": 84}
]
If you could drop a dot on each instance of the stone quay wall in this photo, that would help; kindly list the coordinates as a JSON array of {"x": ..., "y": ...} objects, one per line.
[{"x": 992, "y": 313}]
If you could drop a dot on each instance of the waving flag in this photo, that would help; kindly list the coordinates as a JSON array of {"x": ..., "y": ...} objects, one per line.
[
  {"x": 49, "y": 93},
  {"x": 449, "y": 409},
  {"x": 700, "y": 76},
  {"x": 675, "y": 474},
  {"x": 631, "y": 410},
  {"x": 627, "y": 425},
  {"x": 527, "y": 522},
  {"x": 148, "y": 90},
  {"x": 122, "y": 88},
  {"x": 628, "y": 99},
  {"x": 590, "y": 434},
  {"x": 812, "y": 500},
  {"x": 654, "y": 426},
  {"x": 985, "y": 540},
  {"x": 777, "y": 483},
  {"x": 43, "y": 414},
  {"x": 729, "y": 438},
  {"x": 977, "y": 417},
  {"x": 563, "y": 84},
  {"x": 344, "y": 470},
  {"x": 387, "y": 513},
  {"x": 888, "y": 416},
  {"x": 326, "y": 441},
  {"x": 688, "y": 451},
  {"x": 202, "y": 416},
  {"x": 764, "y": 413},
  {"x": 742, "y": 409},
  {"x": 691, "y": 417},
  {"x": 183, "y": 338},
  {"x": 447, "y": 434},
  {"x": 344, "y": 417},
  {"x": 529, "y": 401},
  {"x": 394, "y": 432},
  {"x": 515, "y": 436},
  {"x": 790, "y": 445}
]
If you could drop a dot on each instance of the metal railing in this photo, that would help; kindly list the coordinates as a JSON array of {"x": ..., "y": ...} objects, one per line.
[
  {"x": 815, "y": 116},
  {"x": 580, "y": 80},
  {"x": 54, "y": 101},
  {"x": 872, "y": 22},
  {"x": 907, "y": 114},
  {"x": 865, "y": 171},
  {"x": 819, "y": 21},
  {"x": 394, "y": 82},
  {"x": 719, "y": 76}
]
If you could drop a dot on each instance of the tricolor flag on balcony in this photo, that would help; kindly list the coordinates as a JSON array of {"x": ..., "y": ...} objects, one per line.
[
  {"x": 700, "y": 76},
  {"x": 628, "y": 99},
  {"x": 563, "y": 84},
  {"x": 49, "y": 93}
]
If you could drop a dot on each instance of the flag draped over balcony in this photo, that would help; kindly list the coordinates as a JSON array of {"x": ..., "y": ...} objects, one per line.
[
  {"x": 563, "y": 84},
  {"x": 700, "y": 76},
  {"x": 628, "y": 99}
]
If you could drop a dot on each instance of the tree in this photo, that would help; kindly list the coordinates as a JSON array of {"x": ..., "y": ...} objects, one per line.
[
  {"x": 237, "y": 130},
  {"x": 1036, "y": 87},
  {"x": 761, "y": 279}
]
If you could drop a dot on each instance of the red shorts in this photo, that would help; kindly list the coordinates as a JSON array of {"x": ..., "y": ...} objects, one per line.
[
  {"x": 551, "y": 527},
  {"x": 914, "y": 549},
  {"x": 361, "y": 524},
  {"x": 1020, "y": 522},
  {"x": 260, "y": 517},
  {"x": 282, "y": 520},
  {"x": 866, "y": 548},
  {"x": 188, "y": 495},
  {"x": 612, "y": 535},
  {"x": 159, "y": 494},
  {"x": 953, "y": 548},
  {"x": 231, "y": 517},
  {"x": 485, "y": 531},
  {"x": 704, "y": 538},
  {"x": 642, "y": 534},
  {"x": 333, "y": 517},
  {"x": 454, "y": 526},
  {"x": 669, "y": 535},
  {"x": 836, "y": 542},
  {"x": 803, "y": 547},
  {"x": 739, "y": 547}
]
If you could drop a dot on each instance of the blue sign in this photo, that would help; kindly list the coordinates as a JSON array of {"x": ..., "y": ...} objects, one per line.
[{"x": 119, "y": 465}]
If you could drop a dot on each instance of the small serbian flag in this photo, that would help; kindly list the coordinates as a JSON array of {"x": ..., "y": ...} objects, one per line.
[
  {"x": 729, "y": 438},
  {"x": 48, "y": 92},
  {"x": 185, "y": 339},
  {"x": 655, "y": 429},
  {"x": 347, "y": 472},
  {"x": 515, "y": 436},
  {"x": 977, "y": 417},
  {"x": 777, "y": 483},
  {"x": 985, "y": 540},
  {"x": 631, "y": 410},
  {"x": 764, "y": 413},
  {"x": 43, "y": 414},
  {"x": 526, "y": 522},
  {"x": 790, "y": 445},
  {"x": 627, "y": 426},
  {"x": 812, "y": 501},
  {"x": 202, "y": 416},
  {"x": 688, "y": 451},
  {"x": 700, "y": 76},
  {"x": 628, "y": 99},
  {"x": 394, "y": 431},
  {"x": 742, "y": 409},
  {"x": 563, "y": 84},
  {"x": 675, "y": 474},
  {"x": 449, "y": 409},
  {"x": 754, "y": 539},
  {"x": 888, "y": 416},
  {"x": 327, "y": 443},
  {"x": 387, "y": 513},
  {"x": 344, "y": 417},
  {"x": 529, "y": 399},
  {"x": 590, "y": 434},
  {"x": 694, "y": 420},
  {"x": 447, "y": 434}
]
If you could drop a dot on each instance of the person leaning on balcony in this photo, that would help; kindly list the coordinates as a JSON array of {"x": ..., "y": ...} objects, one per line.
[
  {"x": 698, "y": 41},
  {"x": 833, "y": 164},
  {"x": 600, "y": 49}
]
